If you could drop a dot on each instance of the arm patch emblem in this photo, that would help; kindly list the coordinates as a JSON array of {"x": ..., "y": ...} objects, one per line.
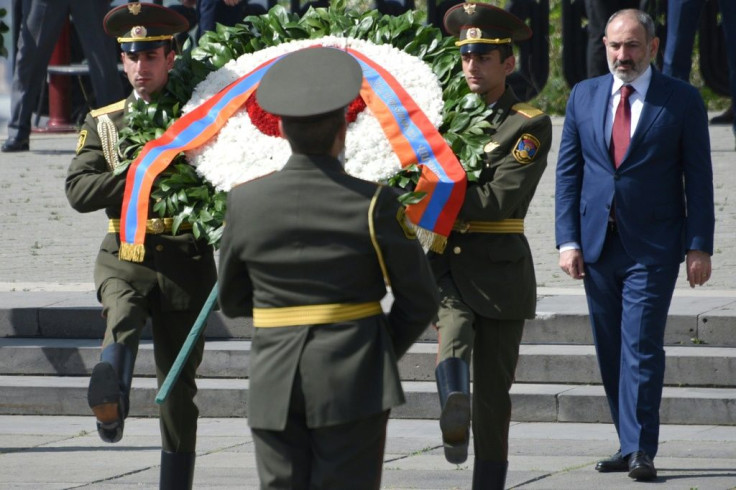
[
  {"x": 81, "y": 140},
  {"x": 526, "y": 149}
]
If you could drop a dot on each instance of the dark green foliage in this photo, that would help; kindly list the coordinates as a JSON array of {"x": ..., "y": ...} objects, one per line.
[{"x": 182, "y": 193}]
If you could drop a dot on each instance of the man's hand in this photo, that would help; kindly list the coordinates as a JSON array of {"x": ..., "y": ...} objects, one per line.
[
  {"x": 571, "y": 261},
  {"x": 698, "y": 267}
]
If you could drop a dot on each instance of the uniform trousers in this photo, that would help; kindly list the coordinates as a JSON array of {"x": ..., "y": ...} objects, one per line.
[
  {"x": 683, "y": 18},
  {"x": 42, "y": 22},
  {"x": 348, "y": 455},
  {"x": 126, "y": 310},
  {"x": 494, "y": 347},
  {"x": 213, "y": 12},
  {"x": 628, "y": 304},
  {"x": 598, "y": 12}
]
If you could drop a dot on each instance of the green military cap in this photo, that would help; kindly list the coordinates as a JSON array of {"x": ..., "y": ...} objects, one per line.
[
  {"x": 310, "y": 82},
  {"x": 480, "y": 27},
  {"x": 143, "y": 26}
]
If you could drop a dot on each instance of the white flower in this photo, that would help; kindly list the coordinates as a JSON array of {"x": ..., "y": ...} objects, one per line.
[{"x": 241, "y": 152}]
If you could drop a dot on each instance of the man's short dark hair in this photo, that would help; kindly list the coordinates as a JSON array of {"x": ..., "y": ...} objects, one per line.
[
  {"x": 505, "y": 50},
  {"x": 313, "y": 135}
]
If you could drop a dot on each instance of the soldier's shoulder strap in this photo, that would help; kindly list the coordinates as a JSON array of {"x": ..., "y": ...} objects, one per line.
[
  {"x": 527, "y": 110},
  {"x": 114, "y": 107}
]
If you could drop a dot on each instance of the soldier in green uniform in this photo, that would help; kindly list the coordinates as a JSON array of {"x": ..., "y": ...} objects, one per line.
[
  {"x": 171, "y": 284},
  {"x": 308, "y": 251},
  {"x": 486, "y": 274}
]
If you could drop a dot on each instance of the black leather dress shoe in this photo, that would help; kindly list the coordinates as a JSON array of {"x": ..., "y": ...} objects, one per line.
[
  {"x": 641, "y": 467},
  {"x": 724, "y": 118},
  {"x": 12, "y": 145},
  {"x": 107, "y": 402},
  {"x": 617, "y": 462}
]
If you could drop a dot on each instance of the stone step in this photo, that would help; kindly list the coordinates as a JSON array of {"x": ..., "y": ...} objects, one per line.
[
  {"x": 561, "y": 319},
  {"x": 52, "y": 395},
  {"x": 548, "y": 363}
]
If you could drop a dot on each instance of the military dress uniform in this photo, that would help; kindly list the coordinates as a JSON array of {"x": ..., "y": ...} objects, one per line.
[
  {"x": 169, "y": 287},
  {"x": 306, "y": 250},
  {"x": 486, "y": 273}
]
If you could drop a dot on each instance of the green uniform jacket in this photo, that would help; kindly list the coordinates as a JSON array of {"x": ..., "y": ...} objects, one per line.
[
  {"x": 301, "y": 237},
  {"x": 181, "y": 266},
  {"x": 494, "y": 273}
]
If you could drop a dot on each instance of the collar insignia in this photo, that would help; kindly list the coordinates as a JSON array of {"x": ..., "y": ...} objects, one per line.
[{"x": 490, "y": 146}]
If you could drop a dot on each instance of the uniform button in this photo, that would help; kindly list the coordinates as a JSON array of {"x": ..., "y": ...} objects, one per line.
[
  {"x": 457, "y": 250},
  {"x": 616, "y": 176},
  {"x": 159, "y": 248}
]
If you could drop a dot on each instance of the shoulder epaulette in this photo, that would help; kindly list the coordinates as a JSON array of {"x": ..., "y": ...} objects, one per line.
[
  {"x": 527, "y": 110},
  {"x": 114, "y": 107}
]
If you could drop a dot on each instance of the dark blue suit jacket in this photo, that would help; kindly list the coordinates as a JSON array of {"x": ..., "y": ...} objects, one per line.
[{"x": 663, "y": 190}]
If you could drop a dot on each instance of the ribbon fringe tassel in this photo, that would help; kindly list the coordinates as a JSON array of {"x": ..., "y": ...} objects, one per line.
[
  {"x": 431, "y": 240},
  {"x": 132, "y": 252}
]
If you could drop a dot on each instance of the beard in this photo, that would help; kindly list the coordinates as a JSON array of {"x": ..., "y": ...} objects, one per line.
[{"x": 627, "y": 76}]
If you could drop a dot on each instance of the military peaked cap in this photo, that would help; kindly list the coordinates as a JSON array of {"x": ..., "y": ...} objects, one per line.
[
  {"x": 480, "y": 27},
  {"x": 310, "y": 82},
  {"x": 143, "y": 26}
]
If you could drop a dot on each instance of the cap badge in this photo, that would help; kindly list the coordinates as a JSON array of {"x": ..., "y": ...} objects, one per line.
[
  {"x": 473, "y": 33},
  {"x": 469, "y": 8},
  {"x": 134, "y": 8},
  {"x": 138, "y": 32}
]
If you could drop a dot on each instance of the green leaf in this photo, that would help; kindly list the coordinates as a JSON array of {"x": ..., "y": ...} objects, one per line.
[
  {"x": 183, "y": 194},
  {"x": 411, "y": 198}
]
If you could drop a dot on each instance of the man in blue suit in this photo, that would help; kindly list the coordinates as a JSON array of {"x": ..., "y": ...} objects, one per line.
[{"x": 634, "y": 197}]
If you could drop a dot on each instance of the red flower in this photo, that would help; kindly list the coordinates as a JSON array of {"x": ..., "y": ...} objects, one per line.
[{"x": 268, "y": 124}]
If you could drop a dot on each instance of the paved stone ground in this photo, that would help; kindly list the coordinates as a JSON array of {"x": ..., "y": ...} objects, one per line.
[
  {"x": 542, "y": 456},
  {"x": 46, "y": 244}
]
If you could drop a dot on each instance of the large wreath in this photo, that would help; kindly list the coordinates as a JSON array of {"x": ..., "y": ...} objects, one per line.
[{"x": 191, "y": 193}]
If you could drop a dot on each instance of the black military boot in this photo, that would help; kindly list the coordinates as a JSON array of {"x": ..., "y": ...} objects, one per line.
[
  {"x": 109, "y": 388},
  {"x": 489, "y": 475},
  {"x": 453, "y": 386},
  {"x": 177, "y": 471}
]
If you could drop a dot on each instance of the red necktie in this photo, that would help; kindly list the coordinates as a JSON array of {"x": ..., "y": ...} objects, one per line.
[{"x": 621, "y": 134}]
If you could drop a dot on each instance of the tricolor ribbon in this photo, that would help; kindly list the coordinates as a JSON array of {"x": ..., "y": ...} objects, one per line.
[
  {"x": 415, "y": 140},
  {"x": 190, "y": 131},
  {"x": 411, "y": 135}
]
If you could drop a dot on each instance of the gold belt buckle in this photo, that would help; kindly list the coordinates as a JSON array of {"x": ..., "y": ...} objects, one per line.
[{"x": 157, "y": 226}]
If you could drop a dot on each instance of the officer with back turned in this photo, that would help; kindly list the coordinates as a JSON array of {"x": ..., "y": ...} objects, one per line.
[{"x": 308, "y": 251}]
